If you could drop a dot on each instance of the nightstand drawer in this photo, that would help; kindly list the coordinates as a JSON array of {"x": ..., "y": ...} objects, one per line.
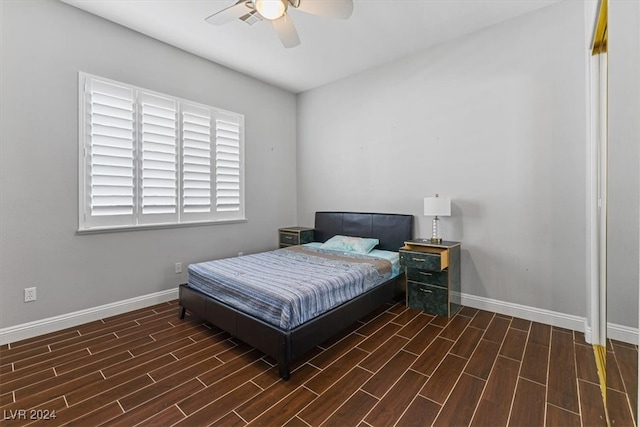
[
  {"x": 431, "y": 299},
  {"x": 428, "y": 277},
  {"x": 433, "y": 261},
  {"x": 289, "y": 238}
]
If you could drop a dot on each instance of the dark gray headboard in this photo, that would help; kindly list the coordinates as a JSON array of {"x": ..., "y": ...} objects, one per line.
[{"x": 391, "y": 229}]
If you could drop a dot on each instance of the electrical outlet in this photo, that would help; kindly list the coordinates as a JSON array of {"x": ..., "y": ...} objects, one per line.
[
  {"x": 178, "y": 267},
  {"x": 29, "y": 294}
]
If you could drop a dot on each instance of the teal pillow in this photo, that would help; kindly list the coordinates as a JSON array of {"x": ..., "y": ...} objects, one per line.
[{"x": 359, "y": 245}]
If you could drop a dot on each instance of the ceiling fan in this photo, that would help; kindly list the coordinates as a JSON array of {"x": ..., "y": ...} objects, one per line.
[{"x": 276, "y": 12}]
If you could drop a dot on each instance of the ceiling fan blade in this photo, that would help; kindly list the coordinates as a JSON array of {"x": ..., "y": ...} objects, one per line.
[
  {"x": 286, "y": 31},
  {"x": 340, "y": 9},
  {"x": 230, "y": 13}
]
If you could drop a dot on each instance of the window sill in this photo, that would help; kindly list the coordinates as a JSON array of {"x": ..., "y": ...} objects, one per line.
[{"x": 117, "y": 229}]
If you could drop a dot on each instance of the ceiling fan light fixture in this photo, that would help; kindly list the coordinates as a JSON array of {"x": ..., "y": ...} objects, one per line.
[{"x": 270, "y": 9}]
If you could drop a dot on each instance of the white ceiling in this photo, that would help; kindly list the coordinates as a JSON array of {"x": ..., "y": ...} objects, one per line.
[{"x": 379, "y": 31}]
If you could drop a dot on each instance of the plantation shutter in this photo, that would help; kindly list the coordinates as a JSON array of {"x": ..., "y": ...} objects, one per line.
[
  {"x": 158, "y": 164},
  {"x": 228, "y": 165},
  {"x": 109, "y": 153},
  {"x": 196, "y": 163},
  {"x": 147, "y": 159}
]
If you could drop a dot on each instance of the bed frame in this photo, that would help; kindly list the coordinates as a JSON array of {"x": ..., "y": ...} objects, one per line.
[{"x": 286, "y": 346}]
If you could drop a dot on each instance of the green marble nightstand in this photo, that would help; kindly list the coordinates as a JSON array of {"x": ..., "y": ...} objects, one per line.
[
  {"x": 288, "y": 236},
  {"x": 433, "y": 276}
]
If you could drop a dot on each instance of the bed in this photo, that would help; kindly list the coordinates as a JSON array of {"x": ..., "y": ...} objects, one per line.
[{"x": 289, "y": 337}]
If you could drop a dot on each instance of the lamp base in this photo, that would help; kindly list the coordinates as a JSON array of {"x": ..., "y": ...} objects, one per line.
[{"x": 435, "y": 236}]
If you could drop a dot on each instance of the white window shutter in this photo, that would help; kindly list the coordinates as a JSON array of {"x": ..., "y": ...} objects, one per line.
[
  {"x": 228, "y": 165},
  {"x": 147, "y": 158},
  {"x": 158, "y": 159},
  {"x": 109, "y": 154},
  {"x": 196, "y": 163}
]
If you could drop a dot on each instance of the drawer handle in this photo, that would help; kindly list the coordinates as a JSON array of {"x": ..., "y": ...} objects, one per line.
[
  {"x": 426, "y": 291},
  {"x": 419, "y": 259},
  {"x": 426, "y": 274},
  {"x": 288, "y": 237}
]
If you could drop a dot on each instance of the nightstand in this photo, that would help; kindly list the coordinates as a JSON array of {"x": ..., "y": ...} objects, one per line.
[
  {"x": 289, "y": 236},
  {"x": 432, "y": 276}
]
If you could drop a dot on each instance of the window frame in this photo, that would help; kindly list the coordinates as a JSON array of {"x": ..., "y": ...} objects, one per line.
[{"x": 88, "y": 223}]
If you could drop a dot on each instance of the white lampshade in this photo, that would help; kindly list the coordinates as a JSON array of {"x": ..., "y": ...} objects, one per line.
[{"x": 437, "y": 206}]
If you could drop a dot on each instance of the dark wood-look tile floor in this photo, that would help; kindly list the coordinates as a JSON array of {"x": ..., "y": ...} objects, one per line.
[{"x": 398, "y": 367}]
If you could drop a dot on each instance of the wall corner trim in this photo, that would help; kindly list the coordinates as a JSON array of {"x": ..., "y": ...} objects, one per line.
[{"x": 69, "y": 320}]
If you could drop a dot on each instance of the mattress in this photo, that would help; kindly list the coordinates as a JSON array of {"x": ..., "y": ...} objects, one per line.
[{"x": 290, "y": 286}]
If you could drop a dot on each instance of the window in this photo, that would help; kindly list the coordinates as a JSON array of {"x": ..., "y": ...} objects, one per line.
[{"x": 152, "y": 159}]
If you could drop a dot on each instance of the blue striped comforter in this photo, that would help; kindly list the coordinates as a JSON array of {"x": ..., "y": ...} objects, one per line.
[{"x": 289, "y": 286}]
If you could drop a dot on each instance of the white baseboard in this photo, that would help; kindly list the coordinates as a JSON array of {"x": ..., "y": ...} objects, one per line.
[
  {"x": 622, "y": 333},
  {"x": 534, "y": 314},
  {"x": 69, "y": 320},
  {"x": 548, "y": 317}
]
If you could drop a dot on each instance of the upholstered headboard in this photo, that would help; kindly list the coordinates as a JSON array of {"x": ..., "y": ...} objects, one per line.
[{"x": 391, "y": 229}]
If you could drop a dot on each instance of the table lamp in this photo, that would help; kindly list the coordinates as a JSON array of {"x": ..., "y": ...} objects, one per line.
[{"x": 436, "y": 207}]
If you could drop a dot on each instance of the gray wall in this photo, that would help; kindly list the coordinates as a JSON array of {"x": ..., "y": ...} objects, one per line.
[
  {"x": 624, "y": 151},
  {"x": 44, "y": 45},
  {"x": 495, "y": 120}
]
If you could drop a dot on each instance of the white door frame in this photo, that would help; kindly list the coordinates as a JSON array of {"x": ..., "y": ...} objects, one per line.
[{"x": 597, "y": 200}]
